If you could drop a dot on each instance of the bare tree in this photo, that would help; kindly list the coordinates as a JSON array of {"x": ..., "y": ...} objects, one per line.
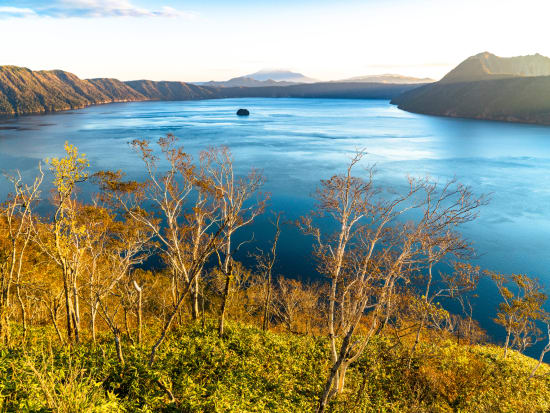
[
  {"x": 265, "y": 262},
  {"x": 348, "y": 200},
  {"x": 110, "y": 317},
  {"x": 139, "y": 309},
  {"x": 372, "y": 250},
  {"x": 521, "y": 309},
  {"x": 295, "y": 301},
  {"x": 16, "y": 220},
  {"x": 545, "y": 350},
  {"x": 96, "y": 224},
  {"x": 236, "y": 206},
  {"x": 62, "y": 239},
  {"x": 113, "y": 248},
  {"x": 456, "y": 285},
  {"x": 185, "y": 238}
]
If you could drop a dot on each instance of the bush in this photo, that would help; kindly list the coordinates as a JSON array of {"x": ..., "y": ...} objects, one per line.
[{"x": 253, "y": 371}]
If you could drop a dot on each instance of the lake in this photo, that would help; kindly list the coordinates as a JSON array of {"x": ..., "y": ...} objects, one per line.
[{"x": 297, "y": 142}]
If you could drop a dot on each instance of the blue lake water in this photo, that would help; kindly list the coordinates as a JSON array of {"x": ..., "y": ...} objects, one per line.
[{"x": 299, "y": 141}]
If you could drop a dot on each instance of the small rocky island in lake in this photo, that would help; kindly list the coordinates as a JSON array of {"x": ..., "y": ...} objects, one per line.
[{"x": 243, "y": 112}]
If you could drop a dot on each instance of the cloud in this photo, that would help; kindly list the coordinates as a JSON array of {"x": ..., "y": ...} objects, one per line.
[
  {"x": 16, "y": 11},
  {"x": 91, "y": 9}
]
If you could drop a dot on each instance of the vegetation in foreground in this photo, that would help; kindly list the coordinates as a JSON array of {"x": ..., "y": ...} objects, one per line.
[
  {"x": 84, "y": 328},
  {"x": 254, "y": 371}
]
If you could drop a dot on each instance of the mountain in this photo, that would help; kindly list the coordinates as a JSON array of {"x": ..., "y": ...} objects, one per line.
[
  {"x": 486, "y": 86},
  {"x": 244, "y": 81},
  {"x": 24, "y": 91},
  {"x": 165, "y": 90},
  {"x": 286, "y": 78},
  {"x": 281, "y": 76},
  {"x": 485, "y": 66},
  {"x": 389, "y": 78},
  {"x": 261, "y": 79}
]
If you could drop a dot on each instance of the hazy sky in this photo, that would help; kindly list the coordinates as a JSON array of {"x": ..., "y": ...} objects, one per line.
[{"x": 203, "y": 40}]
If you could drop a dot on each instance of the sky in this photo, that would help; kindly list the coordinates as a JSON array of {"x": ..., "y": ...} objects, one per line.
[{"x": 193, "y": 40}]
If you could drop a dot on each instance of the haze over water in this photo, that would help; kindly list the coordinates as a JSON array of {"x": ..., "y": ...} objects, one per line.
[{"x": 297, "y": 142}]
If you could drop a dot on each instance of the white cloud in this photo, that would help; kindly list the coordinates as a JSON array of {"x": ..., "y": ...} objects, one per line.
[
  {"x": 16, "y": 12},
  {"x": 91, "y": 9}
]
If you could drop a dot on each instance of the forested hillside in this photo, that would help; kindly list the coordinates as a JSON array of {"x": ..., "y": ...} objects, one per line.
[
  {"x": 487, "y": 87},
  {"x": 24, "y": 91},
  {"x": 85, "y": 325},
  {"x": 336, "y": 90}
]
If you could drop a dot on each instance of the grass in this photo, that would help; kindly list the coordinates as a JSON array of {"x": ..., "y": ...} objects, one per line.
[{"x": 253, "y": 371}]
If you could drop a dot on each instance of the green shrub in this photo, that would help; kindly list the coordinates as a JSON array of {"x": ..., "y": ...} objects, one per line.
[{"x": 253, "y": 371}]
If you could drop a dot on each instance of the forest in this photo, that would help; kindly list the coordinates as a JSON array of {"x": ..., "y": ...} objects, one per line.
[{"x": 133, "y": 298}]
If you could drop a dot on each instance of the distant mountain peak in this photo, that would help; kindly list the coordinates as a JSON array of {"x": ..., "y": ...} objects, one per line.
[
  {"x": 280, "y": 75},
  {"x": 264, "y": 77},
  {"x": 388, "y": 78}
]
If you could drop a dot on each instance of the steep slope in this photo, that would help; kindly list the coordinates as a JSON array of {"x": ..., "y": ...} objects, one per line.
[
  {"x": 484, "y": 66},
  {"x": 487, "y": 87},
  {"x": 164, "y": 90},
  {"x": 25, "y": 91},
  {"x": 116, "y": 91}
]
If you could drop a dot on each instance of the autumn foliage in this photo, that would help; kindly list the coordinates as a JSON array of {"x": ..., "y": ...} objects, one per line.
[{"x": 133, "y": 299}]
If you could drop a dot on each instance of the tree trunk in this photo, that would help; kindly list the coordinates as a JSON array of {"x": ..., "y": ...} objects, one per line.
[
  {"x": 4, "y": 319},
  {"x": 541, "y": 357},
  {"x": 4, "y": 327},
  {"x": 327, "y": 389},
  {"x": 67, "y": 306},
  {"x": 116, "y": 334},
  {"x": 228, "y": 271},
  {"x": 75, "y": 328},
  {"x": 167, "y": 325},
  {"x": 53, "y": 314},
  {"x": 23, "y": 311},
  {"x": 93, "y": 314},
  {"x": 224, "y": 304},
  {"x": 507, "y": 343},
  {"x": 545, "y": 350},
  {"x": 341, "y": 377},
  {"x": 195, "y": 299},
  {"x": 203, "y": 315},
  {"x": 76, "y": 312},
  {"x": 139, "y": 291},
  {"x": 335, "y": 371},
  {"x": 127, "y": 326},
  {"x": 4, "y": 309},
  {"x": 416, "y": 340},
  {"x": 265, "y": 323}
]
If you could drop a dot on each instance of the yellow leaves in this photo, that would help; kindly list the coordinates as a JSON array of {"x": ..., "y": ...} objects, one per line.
[
  {"x": 422, "y": 307},
  {"x": 69, "y": 170}
]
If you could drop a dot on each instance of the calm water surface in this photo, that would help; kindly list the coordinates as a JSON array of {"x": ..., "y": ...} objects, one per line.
[{"x": 299, "y": 141}]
